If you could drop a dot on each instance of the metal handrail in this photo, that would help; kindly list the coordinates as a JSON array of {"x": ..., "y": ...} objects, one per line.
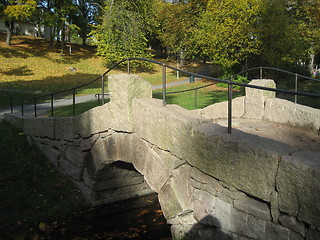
[{"x": 228, "y": 81}]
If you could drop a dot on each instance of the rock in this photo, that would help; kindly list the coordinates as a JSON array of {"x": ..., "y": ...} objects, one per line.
[
  {"x": 255, "y": 98},
  {"x": 293, "y": 224},
  {"x": 298, "y": 184},
  {"x": 253, "y": 207}
]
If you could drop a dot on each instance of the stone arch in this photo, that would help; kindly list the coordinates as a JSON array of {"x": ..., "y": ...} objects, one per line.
[{"x": 122, "y": 166}]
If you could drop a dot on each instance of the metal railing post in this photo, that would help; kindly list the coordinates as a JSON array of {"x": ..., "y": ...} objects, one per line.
[
  {"x": 102, "y": 87},
  {"x": 22, "y": 108},
  {"x": 74, "y": 102},
  {"x": 128, "y": 66},
  {"x": 35, "y": 107},
  {"x": 164, "y": 84},
  {"x": 51, "y": 105},
  {"x": 196, "y": 99},
  {"x": 229, "y": 106},
  {"x": 296, "y": 88},
  {"x": 11, "y": 104},
  {"x": 260, "y": 72}
]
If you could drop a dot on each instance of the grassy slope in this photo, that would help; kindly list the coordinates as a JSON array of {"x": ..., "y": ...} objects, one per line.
[{"x": 30, "y": 65}]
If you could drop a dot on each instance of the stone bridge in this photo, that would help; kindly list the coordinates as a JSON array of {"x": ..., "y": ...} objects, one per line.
[{"x": 260, "y": 182}]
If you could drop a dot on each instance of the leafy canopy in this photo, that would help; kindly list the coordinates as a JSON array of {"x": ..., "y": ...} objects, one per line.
[{"x": 122, "y": 33}]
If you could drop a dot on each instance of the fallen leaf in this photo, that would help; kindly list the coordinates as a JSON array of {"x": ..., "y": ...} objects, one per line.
[
  {"x": 143, "y": 212},
  {"x": 42, "y": 226}
]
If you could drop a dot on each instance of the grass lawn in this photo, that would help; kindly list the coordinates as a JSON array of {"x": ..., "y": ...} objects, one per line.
[
  {"x": 196, "y": 99},
  {"x": 30, "y": 65},
  {"x": 32, "y": 191},
  {"x": 67, "y": 111}
]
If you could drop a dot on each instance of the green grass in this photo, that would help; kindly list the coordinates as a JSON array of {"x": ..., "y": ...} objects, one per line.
[
  {"x": 31, "y": 189},
  {"x": 67, "y": 111},
  {"x": 196, "y": 99}
]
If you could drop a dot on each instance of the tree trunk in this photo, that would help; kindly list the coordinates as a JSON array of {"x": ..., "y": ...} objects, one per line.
[
  {"x": 312, "y": 56},
  {"x": 63, "y": 38},
  {"x": 84, "y": 36},
  {"x": 9, "y": 27}
]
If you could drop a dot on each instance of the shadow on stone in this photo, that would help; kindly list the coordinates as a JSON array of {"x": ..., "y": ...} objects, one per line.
[{"x": 207, "y": 229}]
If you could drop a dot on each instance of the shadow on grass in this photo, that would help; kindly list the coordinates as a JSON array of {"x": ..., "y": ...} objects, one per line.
[
  {"x": 32, "y": 190},
  {"x": 20, "y": 71},
  {"x": 197, "y": 99},
  {"x": 25, "y": 47},
  {"x": 47, "y": 86},
  {"x": 53, "y": 83}
]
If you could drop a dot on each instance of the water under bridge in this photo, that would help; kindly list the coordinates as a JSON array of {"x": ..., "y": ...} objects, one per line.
[{"x": 260, "y": 182}]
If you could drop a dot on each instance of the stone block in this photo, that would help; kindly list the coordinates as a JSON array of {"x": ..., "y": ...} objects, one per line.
[
  {"x": 172, "y": 162},
  {"x": 298, "y": 184},
  {"x": 202, "y": 181},
  {"x": 63, "y": 128},
  {"x": 313, "y": 234},
  {"x": 204, "y": 208},
  {"x": 118, "y": 182},
  {"x": 140, "y": 149},
  {"x": 86, "y": 144},
  {"x": 230, "y": 218},
  {"x": 75, "y": 156},
  {"x": 169, "y": 201},
  {"x": 253, "y": 207},
  {"x": 51, "y": 153},
  {"x": 14, "y": 120},
  {"x": 122, "y": 193},
  {"x": 220, "y": 110},
  {"x": 73, "y": 171},
  {"x": 96, "y": 159},
  {"x": 240, "y": 160},
  {"x": 180, "y": 181},
  {"x": 274, "y": 204},
  {"x": 156, "y": 172},
  {"x": 255, "y": 98},
  {"x": 276, "y": 231},
  {"x": 192, "y": 232},
  {"x": 286, "y": 112},
  {"x": 254, "y": 228},
  {"x": 184, "y": 218},
  {"x": 166, "y": 128},
  {"x": 39, "y": 127},
  {"x": 93, "y": 121},
  {"x": 293, "y": 224}
]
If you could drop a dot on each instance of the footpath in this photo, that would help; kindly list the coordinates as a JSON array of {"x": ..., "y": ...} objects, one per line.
[{"x": 44, "y": 108}]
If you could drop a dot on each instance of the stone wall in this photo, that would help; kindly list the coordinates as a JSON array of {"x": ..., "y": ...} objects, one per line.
[
  {"x": 211, "y": 185},
  {"x": 259, "y": 104}
]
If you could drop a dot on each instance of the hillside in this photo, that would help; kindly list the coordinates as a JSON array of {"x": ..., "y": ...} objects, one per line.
[{"x": 31, "y": 65}]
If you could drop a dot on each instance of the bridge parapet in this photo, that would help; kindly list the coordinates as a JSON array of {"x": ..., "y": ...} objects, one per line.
[{"x": 210, "y": 184}]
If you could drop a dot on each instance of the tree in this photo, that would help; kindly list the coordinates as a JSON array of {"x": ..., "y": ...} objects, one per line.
[
  {"x": 58, "y": 14},
  {"x": 226, "y": 31},
  {"x": 122, "y": 33},
  {"x": 86, "y": 15},
  {"x": 308, "y": 13},
  {"x": 280, "y": 33},
  {"x": 15, "y": 10},
  {"x": 178, "y": 24}
]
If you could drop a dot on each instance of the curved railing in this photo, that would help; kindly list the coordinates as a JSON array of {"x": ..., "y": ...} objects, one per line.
[
  {"x": 73, "y": 90},
  {"x": 228, "y": 81}
]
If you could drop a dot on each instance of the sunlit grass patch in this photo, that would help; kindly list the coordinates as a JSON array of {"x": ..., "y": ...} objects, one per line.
[{"x": 196, "y": 99}]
